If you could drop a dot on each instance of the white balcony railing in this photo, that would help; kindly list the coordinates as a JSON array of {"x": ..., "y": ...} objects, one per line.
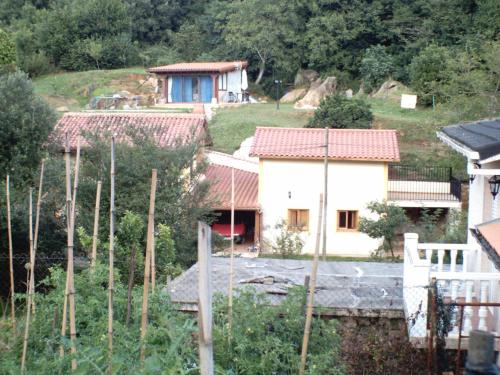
[{"x": 457, "y": 269}]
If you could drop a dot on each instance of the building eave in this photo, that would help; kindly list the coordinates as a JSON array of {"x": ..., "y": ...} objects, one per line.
[{"x": 457, "y": 146}]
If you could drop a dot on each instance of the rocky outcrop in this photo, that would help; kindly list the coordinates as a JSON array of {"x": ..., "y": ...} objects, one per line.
[
  {"x": 305, "y": 77},
  {"x": 318, "y": 90},
  {"x": 392, "y": 90},
  {"x": 293, "y": 95}
]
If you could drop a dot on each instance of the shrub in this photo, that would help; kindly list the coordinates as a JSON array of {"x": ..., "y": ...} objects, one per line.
[
  {"x": 429, "y": 71},
  {"x": 390, "y": 219},
  {"x": 338, "y": 111},
  {"x": 7, "y": 52},
  {"x": 288, "y": 242},
  {"x": 376, "y": 66}
]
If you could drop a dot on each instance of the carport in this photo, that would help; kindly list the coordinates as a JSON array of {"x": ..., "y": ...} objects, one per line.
[{"x": 246, "y": 208}]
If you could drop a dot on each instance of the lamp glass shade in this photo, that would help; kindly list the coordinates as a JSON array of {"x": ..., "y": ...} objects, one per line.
[{"x": 494, "y": 185}]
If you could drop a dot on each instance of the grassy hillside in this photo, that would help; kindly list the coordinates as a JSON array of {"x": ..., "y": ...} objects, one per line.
[
  {"x": 230, "y": 126},
  {"x": 74, "y": 90}
]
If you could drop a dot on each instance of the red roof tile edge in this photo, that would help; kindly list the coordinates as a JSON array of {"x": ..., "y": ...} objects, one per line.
[{"x": 271, "y": 143}]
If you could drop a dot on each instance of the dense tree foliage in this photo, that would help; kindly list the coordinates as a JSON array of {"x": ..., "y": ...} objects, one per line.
[
  {"x": 25, "y": 123},
  {"x": 7, "y": 51},
  {"x": 338, "y": 111}
]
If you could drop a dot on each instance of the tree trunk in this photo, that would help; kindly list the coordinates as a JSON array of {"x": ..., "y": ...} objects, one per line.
[{"x": 262, "y": 67}]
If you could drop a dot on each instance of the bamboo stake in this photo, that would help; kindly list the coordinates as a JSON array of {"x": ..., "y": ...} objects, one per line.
[
  {"x": 153, "y": 263},
  {"x": 312, "y": 287},
  {"x": 30, "y": 290},
  {"x": 96, "y": 225},
  {"x": 70, "y": 227},
  {"x": 70, "y": 288},
  {"x": 11, "y": 265},
  {"x": 35, "y": 240},
  {"x": 231, "y": 262},
  {"x": 111, "y": 257},
  {"x": 147, "y": 261},
  {"x": 205, "y": 320}
]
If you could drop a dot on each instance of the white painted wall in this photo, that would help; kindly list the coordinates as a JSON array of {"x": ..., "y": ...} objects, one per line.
[
  {"x": 233, "y": 85},
  {"x": 419, "y": 187},
  {"x": 351, "y": 186}
]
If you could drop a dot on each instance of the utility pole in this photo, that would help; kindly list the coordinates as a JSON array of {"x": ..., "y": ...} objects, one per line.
[
  {"x": 277, "y": 82},
  {"x": 325, "y": 194}
]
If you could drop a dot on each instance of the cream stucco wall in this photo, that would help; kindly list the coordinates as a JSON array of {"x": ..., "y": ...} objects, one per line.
[{"x": 297, "y": 184}]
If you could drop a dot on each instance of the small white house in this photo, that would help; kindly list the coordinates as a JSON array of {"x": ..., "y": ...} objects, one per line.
[
  {"x": 203, "y": 82},
  {"x": 291, "y": 179}
]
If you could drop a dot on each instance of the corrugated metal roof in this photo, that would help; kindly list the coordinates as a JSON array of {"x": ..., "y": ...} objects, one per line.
[
  {"x": 200, "y": 67},
  {"x": 166, "y": 129},
  {"x": 305, "y": 143},
  {"x": 246, "y": 185},
  {"x": 480, "y": 136}
]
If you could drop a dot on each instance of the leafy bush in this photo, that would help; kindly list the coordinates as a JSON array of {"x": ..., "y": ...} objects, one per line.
[
  {"x": 376, "y": 66},
  {"x": 429, "y": 71},
  {"x": 7, "y": 52},
  {"x": 390, "y": 219},
  {"x": 338, "y": 111},
  {"x": 264, "y": 339},
  {"x": 36, "y": 64},
  {"x": 267, "y": 339},
  {"x": 288, "y": 242}
]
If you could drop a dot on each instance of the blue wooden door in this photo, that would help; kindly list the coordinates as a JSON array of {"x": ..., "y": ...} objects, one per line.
[
  {"x": 187, "y": 89},
  {"x": 206, "y": 89},
  {"x": 176, "y": 89}
]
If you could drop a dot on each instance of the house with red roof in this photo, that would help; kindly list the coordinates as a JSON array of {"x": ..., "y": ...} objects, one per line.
[
  {"x": 291, "y": 179},
  {"x": 166, "y": 129},
  {"x": 202, "y": 82}
]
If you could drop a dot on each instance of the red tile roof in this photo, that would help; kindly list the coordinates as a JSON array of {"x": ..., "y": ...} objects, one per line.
[
  {"x": 491, "y": 232},
  {"x": 246, "y": 185},
  {"x": 166, "y": 128},
  {"x": 344, "y": 144},
  {"x": 200, "y": 67}
]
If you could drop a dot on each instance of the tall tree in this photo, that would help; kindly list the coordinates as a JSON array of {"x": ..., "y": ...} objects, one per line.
[
  {"x": 268, "y": 31},
  {"x": 25, "y": 123}
]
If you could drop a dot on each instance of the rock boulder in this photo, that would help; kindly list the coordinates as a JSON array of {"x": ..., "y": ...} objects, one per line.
[
  {"x": 318, "y": 90},
  {"x": 305, "y": 77},
  {"x": 293, "y": 95}
]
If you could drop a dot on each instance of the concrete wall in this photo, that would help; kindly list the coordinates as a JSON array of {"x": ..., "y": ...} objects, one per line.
[{"x": 297, "y": 184}]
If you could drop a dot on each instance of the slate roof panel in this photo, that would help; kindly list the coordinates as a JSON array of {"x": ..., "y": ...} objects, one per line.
[{"x": 480, "y": 136}]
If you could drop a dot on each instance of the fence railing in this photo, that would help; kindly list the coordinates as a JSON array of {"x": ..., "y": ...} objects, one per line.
[
  {"x": 459, "y": 273},
  {"x": 422, "y": 183}
]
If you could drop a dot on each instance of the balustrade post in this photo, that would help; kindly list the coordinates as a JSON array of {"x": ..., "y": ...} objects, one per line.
[
  {"x": 467, "y": 326},
  {"x": 454, "y": 284},
  {"x": 453, "y": 260},
  {"x": 483, "y": 310}
]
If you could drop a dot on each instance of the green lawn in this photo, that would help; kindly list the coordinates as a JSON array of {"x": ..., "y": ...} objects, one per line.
[{"x": 231, "y": 125}]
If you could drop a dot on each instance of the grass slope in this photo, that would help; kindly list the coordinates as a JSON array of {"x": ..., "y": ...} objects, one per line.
[
  {"x": 75, "y": 89},
  {"x": 231, "y": 125}
]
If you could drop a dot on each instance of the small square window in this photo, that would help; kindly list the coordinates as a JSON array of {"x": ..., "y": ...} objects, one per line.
[
  {"x": 347, "y": 220},
  {"x": 298, "y": 220}
]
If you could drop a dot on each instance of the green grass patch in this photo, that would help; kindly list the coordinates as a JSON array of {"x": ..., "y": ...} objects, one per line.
[
  {"x": 74, "y": 89},
  {"x": 231, "y": 125}
]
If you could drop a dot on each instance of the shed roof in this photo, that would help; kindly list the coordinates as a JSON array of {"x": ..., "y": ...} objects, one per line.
[
  {"x": 344, "y": 144},
  {"x": 166, "y": 129},
  {"x": 480, "y": 136},
  {"x": 200, "y": 67},
  {"x": 246, "y": 185}
]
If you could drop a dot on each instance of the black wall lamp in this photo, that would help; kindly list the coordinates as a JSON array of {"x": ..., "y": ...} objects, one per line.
[{"x": 494, "y": 182}]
